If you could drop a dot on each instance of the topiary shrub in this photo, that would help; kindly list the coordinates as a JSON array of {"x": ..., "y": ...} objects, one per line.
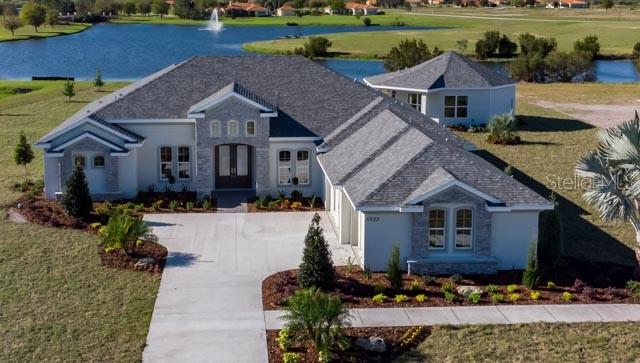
[
  {"x": 316, "y": 269},
  {"x": 502, "y": 130},
  {"x": 76, "y": 200}
]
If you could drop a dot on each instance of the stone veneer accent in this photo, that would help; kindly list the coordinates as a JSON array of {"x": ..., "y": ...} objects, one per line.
[
  {"x": 90, "y": 148},
  {"x": 231, "y": 109},
  {"x": 481, "y": 237}
]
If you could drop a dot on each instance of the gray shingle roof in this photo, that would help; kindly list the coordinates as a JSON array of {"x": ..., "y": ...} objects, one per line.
[{"x": 448, "y": 70}]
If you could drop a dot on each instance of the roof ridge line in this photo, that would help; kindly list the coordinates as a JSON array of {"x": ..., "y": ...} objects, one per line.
[
  {"x": 375, "y": 154},
  {"x": 400, "y": 170}
]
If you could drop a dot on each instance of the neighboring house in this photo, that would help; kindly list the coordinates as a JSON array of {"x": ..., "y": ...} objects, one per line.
[
  {"x": 267, "y": 124},
  {"x": 451, "y": 89},
  {"x": 574, "y": 4},
  {"x": 245, "y": 9},
  {"x": 354, "y": 8},
  {"x": 286, "y": 10}
]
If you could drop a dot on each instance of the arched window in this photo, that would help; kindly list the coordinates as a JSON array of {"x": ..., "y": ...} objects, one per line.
[
  {"x": 214, "y": 129},
  {"x": 98, "y": 161},
  {"x": 232, "y": 128},
  {"x": 284, "y": 167},
  {"x": 437, "y": 235},
  {"x": 464, "y": 227},
  {"x": 79, "y": 161},
  {"x": 302, "y": 167},
  {"x": 250, "y": 128}
]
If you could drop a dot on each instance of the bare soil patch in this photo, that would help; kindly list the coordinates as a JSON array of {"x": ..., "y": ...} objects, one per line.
[
  {"x": 357, "y": 291},
  {"x": 599, "y": 115},
  {"x": 391, "y": 335}
]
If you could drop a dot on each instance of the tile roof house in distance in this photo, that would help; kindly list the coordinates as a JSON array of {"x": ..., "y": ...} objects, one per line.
[
  {"x": 451, "y": 89},
  {"x": 286, "y": 10},
  {"x": 245, "y": 9}
]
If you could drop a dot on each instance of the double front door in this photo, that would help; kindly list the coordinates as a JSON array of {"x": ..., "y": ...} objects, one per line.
[{"x": 233, "y": 166}]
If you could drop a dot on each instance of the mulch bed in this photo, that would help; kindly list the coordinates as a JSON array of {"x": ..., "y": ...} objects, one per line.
[
  {"x": 391, "y": 335},
  {"x": 36, "y": 209},
  {"x": 356, "y": 291},
  {"x": 119, "y": 260}
]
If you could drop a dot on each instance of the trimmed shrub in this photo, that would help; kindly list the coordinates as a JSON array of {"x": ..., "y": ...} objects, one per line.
[
  {"x": 531, "y": 274},
  {"x": 394, "y": 273},
  {"x": 76, "y": 200},
  {"x": 122, "y": 231},
  {"x": 502, "y": 130},
  {"x": 316, "y": 269},
  {"x": 366, "y": 21}
]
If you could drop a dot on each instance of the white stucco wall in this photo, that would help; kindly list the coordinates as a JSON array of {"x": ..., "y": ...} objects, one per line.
[
  {"x": 511, "y": 236},
  {"x": 148, "y": 165},
  {"x": 381, "y": 232},
  {"x": 52, "y": 176},
  {"x": 482, "y": 104},
  {"x": 128, "y": 177},
  {"x": 316, "y": 177}
]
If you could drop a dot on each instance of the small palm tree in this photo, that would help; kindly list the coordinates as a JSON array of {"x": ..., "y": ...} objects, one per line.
[
  {"x": 316, "y": 316},
  {"x": 614, "y": 171}
]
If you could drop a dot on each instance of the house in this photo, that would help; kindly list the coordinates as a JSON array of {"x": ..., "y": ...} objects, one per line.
[
  {"x": 286, "y": 10},
  {"x": 574, "y": 4},
  {"x": 245, "y": 9},
  {"x": 451, "y": 89},
  {"x": 267, "y": 124},
  {"x": 354, "y": 8}
]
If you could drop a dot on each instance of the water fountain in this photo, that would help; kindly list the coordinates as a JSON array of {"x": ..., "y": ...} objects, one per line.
[{"x": 215, "y": 25}]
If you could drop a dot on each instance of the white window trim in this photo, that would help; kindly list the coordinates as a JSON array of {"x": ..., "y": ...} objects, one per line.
[
  {"x": 212, "y": 132},
  {"x": 444, "y": 229},
  {"x": 455, "y": 228},
  {"x": 183, "y": 162},
  {"x": 455, "y": 106},
  {"x": 308, "y": 166},
  {"x": 233, "y": 122},
  {"x": 281, "y": 167},
  {"x": 160, "y": 162},
  {"x": 93, "y": 161},
  {"x": 246, "y": 128},
  {"x": 418, "y": 105}
]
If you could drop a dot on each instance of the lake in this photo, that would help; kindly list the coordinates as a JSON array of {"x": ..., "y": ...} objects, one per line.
[{"x": 132, "y": 51}]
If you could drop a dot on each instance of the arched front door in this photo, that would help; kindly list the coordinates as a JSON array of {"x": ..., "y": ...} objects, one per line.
[{"x": 233, "y": 166}]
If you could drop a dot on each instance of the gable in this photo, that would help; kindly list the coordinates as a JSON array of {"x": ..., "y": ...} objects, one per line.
[{"x": 83, "y": 130}]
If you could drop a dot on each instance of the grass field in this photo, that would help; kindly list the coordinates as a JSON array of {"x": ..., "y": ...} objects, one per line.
[
  {"x": 56, "y": 302},
  {"x": 616, "y": 37},
  {"x": 27, "y": 32},
  {"x": 586, "y": 342}
]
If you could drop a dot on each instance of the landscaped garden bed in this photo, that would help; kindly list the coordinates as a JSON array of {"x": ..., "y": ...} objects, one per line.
[
  {"x": 297, "y": 203},
  {"x": 397, "y": 340},
  {"x": 359, "y": 289},
  {"x": 146, "y": 256}
]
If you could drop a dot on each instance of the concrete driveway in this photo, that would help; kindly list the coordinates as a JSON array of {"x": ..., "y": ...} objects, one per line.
[{"x": 209, "y": 307}]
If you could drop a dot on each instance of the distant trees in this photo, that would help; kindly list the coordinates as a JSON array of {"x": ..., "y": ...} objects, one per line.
[
  {"x": 97, "y": 81},
  {"x": 144, "y": 7},
  {"x": 11, "y": 23},
  {"x": 539, "y": 61},
  {"x": 607, "y": 4},
  {"x": 160, "y": 7},
  {"x": 314, "y": 47},
  {"x": 636, "y": 50},
  {"x": 33, "y": 14},
  {"x": 336, "y": 4},
  {"x": 129, "y": 8},
  {"x": 588, "y": 45},
  {"x": 492, "y": 44},
  {"x": 51, "y": 18},
  {"x": 408, "y": 53}
]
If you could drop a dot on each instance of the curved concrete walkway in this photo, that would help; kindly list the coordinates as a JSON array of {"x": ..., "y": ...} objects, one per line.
[{"x": 498, "y": 314}]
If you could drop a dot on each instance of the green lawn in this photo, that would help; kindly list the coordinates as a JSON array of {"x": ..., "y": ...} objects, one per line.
[
  {"x": 27, "y": 32},
  {"x": 616, "y": 37},
  {"x": 586, "y": 342},
  {"x": 56, "y": 302}
]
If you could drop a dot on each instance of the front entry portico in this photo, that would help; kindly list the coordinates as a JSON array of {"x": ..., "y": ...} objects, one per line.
[{"x": 233, "y": 166}]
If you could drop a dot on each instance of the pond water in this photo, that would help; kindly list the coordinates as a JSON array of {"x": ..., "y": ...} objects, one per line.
[{"x": 132, "y": 51}]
